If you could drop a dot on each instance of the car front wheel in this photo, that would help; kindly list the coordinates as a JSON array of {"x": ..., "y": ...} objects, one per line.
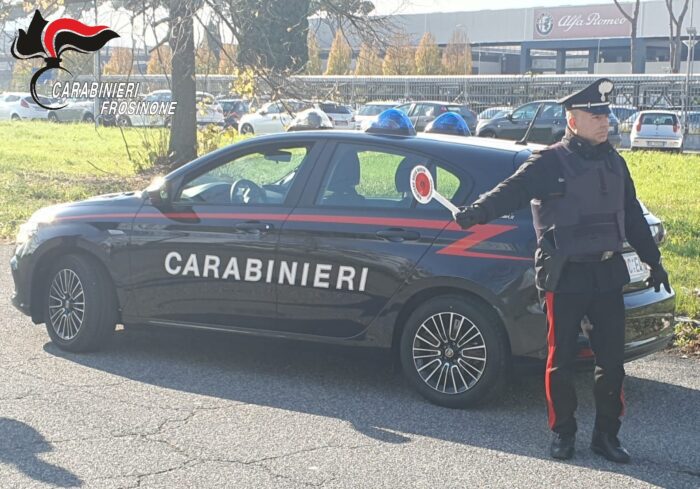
[
  {"x": 453, "y": 351},
  {"x": 247, "y": 129},
  {"x": 80, "y": 307}
]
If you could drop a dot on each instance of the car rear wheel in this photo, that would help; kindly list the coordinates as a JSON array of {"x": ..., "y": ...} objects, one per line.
[
  {"x": 88, "y": 118},
  {"x": 124, "y": 121},
  {"x": 453, "y": 351},
  {"x": 52, "y": 117},
  {"x": 487, "y": 134},
  {"x": 247, "y": 129},
  {"x": 80, "y": 307},
  {"x": 15, "y": 117}
]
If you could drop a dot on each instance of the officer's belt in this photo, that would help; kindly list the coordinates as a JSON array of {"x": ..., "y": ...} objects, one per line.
[{"x": 605, "y": 255}]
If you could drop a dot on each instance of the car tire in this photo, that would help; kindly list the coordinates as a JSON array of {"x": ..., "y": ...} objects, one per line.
[
  {"x": 15, "y": 117},
  {"x": 247, "y": 129},
  {"x": 74, "y": 281},
  {"x": 466, "y": 380},
  {"x": 88, "y": 118},
  {"x": 124, "y": 121},
  {"x": 52, "y": 117},
  {"x": 487, "y": 134}
]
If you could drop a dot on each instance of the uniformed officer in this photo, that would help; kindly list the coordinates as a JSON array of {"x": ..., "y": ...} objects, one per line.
[{"x": 584, "y": 206}]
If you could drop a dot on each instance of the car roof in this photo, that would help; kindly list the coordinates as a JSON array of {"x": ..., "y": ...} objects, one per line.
[{"x": 653, "y": 111}]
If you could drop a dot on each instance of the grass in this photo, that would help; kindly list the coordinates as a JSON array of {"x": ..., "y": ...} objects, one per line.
[{"x": 42, "y": 164}]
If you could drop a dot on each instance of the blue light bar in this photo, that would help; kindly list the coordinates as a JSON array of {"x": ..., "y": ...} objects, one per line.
[
  {"x": 449, "y": 123},
  {"x": 392, "y": 122}
]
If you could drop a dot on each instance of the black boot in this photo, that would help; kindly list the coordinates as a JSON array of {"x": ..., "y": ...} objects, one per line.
[
  {"x": 562, "y": 446},
  {"x": 608, "y": 446}
]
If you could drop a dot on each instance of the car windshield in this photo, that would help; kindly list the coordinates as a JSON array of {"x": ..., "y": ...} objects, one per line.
[{"x": 373, "y": 109}]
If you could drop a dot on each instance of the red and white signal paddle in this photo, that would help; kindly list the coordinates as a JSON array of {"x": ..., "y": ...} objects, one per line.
[{"x": 424, "y": 191}]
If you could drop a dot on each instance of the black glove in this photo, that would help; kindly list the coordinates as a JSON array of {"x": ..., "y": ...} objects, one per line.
[
  {"x": 658, "y": 277},
  {"x": 469, "y": 216}
]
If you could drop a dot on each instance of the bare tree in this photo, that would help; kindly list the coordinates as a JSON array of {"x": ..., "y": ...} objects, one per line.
[
  {"x": 675, "y": 25},
  {"x": 632, "y": 19}
]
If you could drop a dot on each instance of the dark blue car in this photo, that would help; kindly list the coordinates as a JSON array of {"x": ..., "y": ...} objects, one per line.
[{"x": 316, "y": 236}]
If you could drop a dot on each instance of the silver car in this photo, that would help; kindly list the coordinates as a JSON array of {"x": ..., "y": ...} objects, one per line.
[{"x": 657, "y": 129}]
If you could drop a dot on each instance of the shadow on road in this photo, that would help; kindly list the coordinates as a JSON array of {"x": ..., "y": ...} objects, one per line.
[
  {"x": 19, "y": 446},
  {"x": 362, "y": 388}
]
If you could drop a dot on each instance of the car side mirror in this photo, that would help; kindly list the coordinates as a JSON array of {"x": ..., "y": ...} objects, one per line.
[
  {"x": 262, "y": 112},
  {"x": 159, "y": 191},
  {"x": 509, "y": 116}
]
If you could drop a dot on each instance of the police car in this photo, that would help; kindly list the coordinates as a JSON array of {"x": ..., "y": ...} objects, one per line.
[{"x": 315, "y": 235}]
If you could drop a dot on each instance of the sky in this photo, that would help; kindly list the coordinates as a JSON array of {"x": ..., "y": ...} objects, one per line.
[{"x": 384, "y": 7}]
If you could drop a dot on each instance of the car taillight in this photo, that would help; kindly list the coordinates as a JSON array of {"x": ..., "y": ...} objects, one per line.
[
  {"x": 639, "y": 126},
  {"x": 352, "y": 119},
  {"x": 443, "y": 109},
  {"x": 675, "y": 127},
  {"x": 235, "y": 115},
  {"x": 24, "y": 104}
]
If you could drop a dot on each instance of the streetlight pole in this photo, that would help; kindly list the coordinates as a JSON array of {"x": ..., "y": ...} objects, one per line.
[{"x": 692, "y": 32}]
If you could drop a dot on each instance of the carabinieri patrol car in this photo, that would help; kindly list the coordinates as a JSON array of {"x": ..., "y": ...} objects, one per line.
[{"x": 315, "y": 235}]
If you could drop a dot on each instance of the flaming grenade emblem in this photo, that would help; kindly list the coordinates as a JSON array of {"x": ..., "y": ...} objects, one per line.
[{"x": 49, "y": 40}]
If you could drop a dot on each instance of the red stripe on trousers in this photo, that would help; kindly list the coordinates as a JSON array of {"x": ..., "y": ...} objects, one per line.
[
  {"x": 549, "y": 297},
  {"x": 622, "y": 400}
]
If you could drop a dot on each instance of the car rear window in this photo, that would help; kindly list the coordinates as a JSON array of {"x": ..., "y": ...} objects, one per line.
[
  {"x": 334, "y": 109},
  {"x": 659, "y": 119}
]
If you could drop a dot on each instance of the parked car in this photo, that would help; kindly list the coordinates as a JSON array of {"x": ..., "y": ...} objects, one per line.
[
  {"x": 623, "y": 112},
  {"x": 272, "y": 117},
  {"x": 16, "y": 106},
  {"x": 657, "y": 129},
  {"x": 234, "y": 109},
  {"x": 423, "y": 112},
  {"x": 493, "y": 112},
  {"x": 340, "y": 115},
  {"x": 549, "y": 127},
  {"x": 208, "y": 111},
  {"x": 76, "y": 110},
  {"x": 317, "y": 236},
  {"x": 371, "y": 110}
]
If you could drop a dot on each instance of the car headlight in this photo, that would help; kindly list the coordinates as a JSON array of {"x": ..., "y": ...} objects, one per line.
[{"x": 40, "y": 218}]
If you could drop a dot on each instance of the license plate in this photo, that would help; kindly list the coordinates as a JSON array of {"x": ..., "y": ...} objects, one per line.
[
  {"x": 638, "y": 271},
  {"x": 657, "y": 143},
  {"x": 341, "y": 123}
]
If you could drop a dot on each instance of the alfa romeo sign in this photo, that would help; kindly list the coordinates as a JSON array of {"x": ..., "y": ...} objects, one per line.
[{"x": 580, "y": 22}]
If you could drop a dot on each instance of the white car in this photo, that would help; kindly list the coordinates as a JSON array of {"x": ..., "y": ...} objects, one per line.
[
  {"x": 209, "y": 111},
  {"x": 371, "y": 110},
  {"x": 272, "y": 117},
  {"x": 340, "y": 115},
  {"x": 657, "y": 129},
  {"x": 15, "y": 106}
]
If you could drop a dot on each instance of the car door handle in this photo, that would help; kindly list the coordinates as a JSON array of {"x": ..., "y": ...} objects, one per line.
[
  {"x": 398, "y": 234},
  {"x": 254, "y": 226}
]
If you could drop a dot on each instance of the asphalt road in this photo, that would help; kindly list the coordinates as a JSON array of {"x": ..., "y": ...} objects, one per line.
[{"x": 178, "y": 409}]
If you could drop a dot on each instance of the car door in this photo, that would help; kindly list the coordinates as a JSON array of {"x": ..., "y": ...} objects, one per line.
[
  {"x": 423, "y": 114},
  {"x": 515, "y": 126},
  {"x": 269, "y": 121},
  {"x": 208, "y": 258},
  {"x": 4, "y": 110},
  {"x": 550, "y": 124},
  {"x": 353, "y": 239}
]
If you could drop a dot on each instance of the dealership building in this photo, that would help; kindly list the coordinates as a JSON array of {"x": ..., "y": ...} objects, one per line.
[{"x": 556, "y": 40}]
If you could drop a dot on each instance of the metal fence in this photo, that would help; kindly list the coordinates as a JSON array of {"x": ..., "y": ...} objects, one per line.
[{"x": 639, "y": 92}]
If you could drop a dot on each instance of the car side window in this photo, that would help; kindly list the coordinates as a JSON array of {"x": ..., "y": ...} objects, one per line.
[
  {"x": 553, "y": 111},
  {"x": 405, "y": 108},
  {"x": 378, "y": 178},
  {"x": 527, "y": 112},
  {"x": 262, "y": 177}
]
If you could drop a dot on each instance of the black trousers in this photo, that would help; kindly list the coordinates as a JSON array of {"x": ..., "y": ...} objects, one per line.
[{"x": 606, "y": 313}]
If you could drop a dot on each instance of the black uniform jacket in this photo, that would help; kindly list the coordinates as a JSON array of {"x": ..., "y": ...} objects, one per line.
[{"x": 541, "y": 177}]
